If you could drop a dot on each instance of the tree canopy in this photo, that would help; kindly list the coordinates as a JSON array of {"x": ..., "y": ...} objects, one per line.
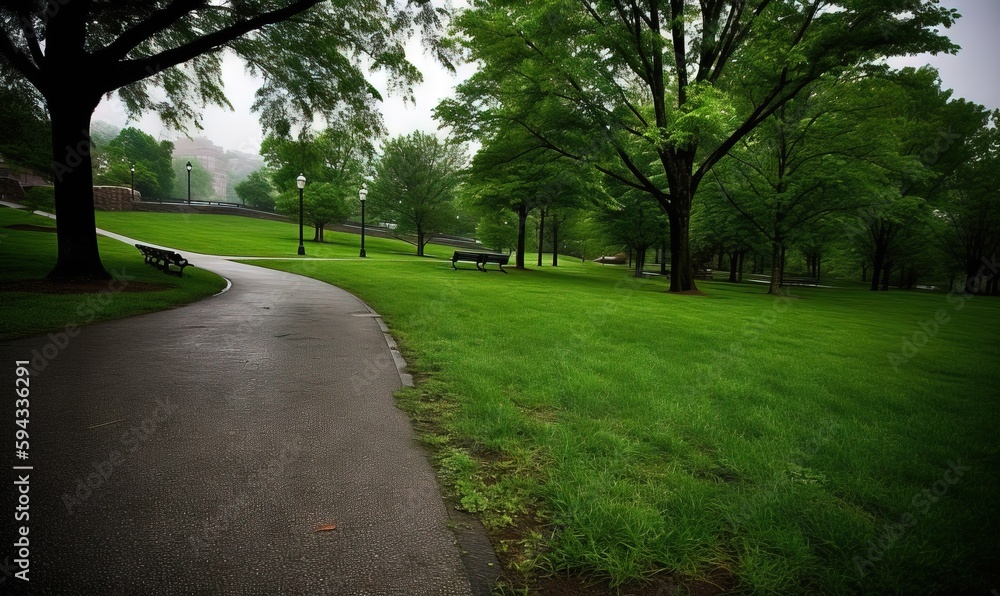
[
  {"x": 414, "y": 186},
  {"x": 257, "y": 191},
  {"x": 614, "y": 83},
  {"x": 334, "y": 163},
  {"x": 166, "y": 55},
  {"x": 153, "y": 161}
]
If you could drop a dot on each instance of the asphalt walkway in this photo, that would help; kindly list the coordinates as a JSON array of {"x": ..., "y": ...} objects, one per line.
[{"x": 244, "y": 444}]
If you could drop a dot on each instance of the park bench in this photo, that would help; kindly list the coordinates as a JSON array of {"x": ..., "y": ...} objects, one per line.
[
  {"x": 163, "y": 259},
  {"x": 481, "y": 259},
  {"x": 703, "y": 274}
]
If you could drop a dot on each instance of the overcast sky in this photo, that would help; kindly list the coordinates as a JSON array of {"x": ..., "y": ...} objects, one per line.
[{"x": 974, "y": 73}]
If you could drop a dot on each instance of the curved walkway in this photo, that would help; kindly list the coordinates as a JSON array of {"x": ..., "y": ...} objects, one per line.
[{"x": 244, "y": 444}]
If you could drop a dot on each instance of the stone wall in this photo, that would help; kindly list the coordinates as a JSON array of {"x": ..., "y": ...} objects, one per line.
[
  {"x": 113, "y": 198},
  {"x": 11, "y": 190}
]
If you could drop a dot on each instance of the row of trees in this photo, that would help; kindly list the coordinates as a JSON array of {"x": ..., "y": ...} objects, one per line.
[
  {"x": 413, "y": 180},
  {"x": 741, "y": 128},
  {"x": 654, "y": 95},
  {"x": 754, "y": 117},
  {"x": 166, "y": 56}
]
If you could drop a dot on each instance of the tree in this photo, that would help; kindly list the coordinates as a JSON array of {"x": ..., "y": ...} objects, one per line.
[
  {"x": 310, "y": 53},
  {"x": 513, "y": 172},
  {"x": 340, "y": 154},
  {"x": 717, "y": 228},
  {"x": 635, "y": 77},
  {"x": 322, "y": 203},
  {"x": 496, "y": 230},
  {"x": 632, "y": 219},
  {"x": 134, "y": 147},
  {"x": 415, "y": 183},
  {"x": 972, "y": 213},
  {"x": 934, "y": 132},
  {"x": 27, "y": 133},
  {"x": 256, "y": 191},
  {"x": 336, "y": 157},
  {"x": 825, "y": 151}
]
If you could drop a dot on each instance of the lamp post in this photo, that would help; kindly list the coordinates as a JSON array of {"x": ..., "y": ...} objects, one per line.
[
  {"x": 132, "y": 169},
  {"x": 363, "y": 194},
  {"x": 301, "y": 183},
  {"x": 188, "y": 166}
]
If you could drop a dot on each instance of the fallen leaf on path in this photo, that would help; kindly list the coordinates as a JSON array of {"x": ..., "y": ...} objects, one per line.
[{"x": 326, "y": 527}]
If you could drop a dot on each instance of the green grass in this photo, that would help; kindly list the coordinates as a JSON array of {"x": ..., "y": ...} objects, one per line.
[
  {"x": 30, "y": 255},
  {"x": 605, "y": 428},
  {"x": 245, "y": 236}
]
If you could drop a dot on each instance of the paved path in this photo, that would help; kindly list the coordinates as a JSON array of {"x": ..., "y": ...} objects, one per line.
[{"x": 198, "y": 450}]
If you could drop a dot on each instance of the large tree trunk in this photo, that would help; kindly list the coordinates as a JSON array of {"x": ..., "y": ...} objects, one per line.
[
  {"x": 681, "y": 274},
  {"x": 541, "y": 237},
  {"x": 522, "y": 221},
  {"x": 420, "y": 241},
  {"x": 555, "y": 240},
  {"x": 878, "y": 262},
  {"x": 732, "y": 266},
  {"x": 777, "y": 269},
  {"x": 881, "y": 234},
  {"x": 640, "y": 260},
  {"x": 78, "y": 257},
  {"x": 885, "y": 275},
  {"x": 739, "y": 268}
]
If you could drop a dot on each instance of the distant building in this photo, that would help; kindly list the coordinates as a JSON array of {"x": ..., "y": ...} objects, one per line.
[
  {"x": 226, "y": 167},
  {"x": 210, "y": 156}
]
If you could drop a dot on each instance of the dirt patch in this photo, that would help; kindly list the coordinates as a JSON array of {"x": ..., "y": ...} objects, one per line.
[
  {"x": 41, "y": 286},
  {"x": 31, "y": 228}
]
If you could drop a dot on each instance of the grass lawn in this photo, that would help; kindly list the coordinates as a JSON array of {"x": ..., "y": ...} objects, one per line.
[
  {"x": 610, "y": 431},
  {"x": 30, "y": 255},
  {"x": 246, "y": 236},
  {"x": 837, "y": 442}
]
